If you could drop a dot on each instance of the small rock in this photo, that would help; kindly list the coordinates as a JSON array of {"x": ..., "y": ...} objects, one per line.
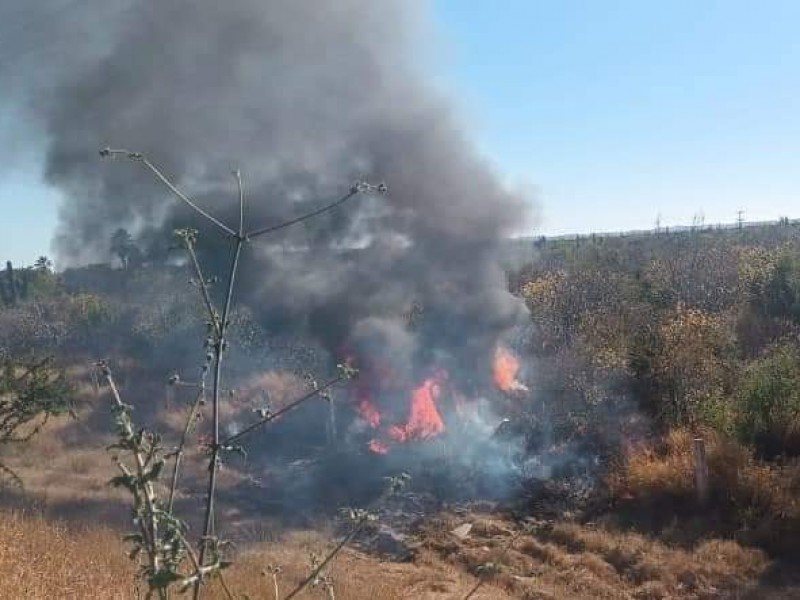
[{"x": 462, "y": 531}]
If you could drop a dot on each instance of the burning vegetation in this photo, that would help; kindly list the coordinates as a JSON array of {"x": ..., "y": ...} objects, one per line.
[
  {"x": 420, "y": 412},
  {"x": 312, "y": 99},
  {"x": 301, "y": 131},
  {"x": 505, "y": 370}
]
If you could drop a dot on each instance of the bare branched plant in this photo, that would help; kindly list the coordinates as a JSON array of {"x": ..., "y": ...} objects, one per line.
[{"x": 160, "y": 534}]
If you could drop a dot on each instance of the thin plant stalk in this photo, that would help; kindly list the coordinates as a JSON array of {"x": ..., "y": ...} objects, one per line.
[
  {"x": 275, "y": 585},
  {"x": 360, "y": 520},
  {"x": 181, "y": 449},
  {"x": 279, "y": 413},
  {"x": 265, "y": 230},
  {"x": 228, "y": 593},
  {"x": 219, "y": 348},
  {"x": 203, "y": 285},
  {"x": 139, "y": 157}
]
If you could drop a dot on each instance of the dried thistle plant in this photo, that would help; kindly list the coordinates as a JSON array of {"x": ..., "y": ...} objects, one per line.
[
  {"x": 272, "y": 571},
  {"x": 160, "y": 535},
  {"x": 159, "y": 541}
]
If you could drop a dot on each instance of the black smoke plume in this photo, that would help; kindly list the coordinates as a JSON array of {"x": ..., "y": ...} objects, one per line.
[{"x": 305, "y": 97}]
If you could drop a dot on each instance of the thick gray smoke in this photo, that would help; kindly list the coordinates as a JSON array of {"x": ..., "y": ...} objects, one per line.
[{"x": 305, "y": 97}]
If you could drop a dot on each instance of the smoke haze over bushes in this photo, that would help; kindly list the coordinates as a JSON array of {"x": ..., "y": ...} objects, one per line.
[{"x": 305, "y": 97}]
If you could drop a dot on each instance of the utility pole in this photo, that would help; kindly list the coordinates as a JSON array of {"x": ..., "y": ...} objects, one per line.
[{"x": 740, "y": 219}]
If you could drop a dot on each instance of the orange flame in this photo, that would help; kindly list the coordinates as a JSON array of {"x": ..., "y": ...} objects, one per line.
[
  {"x": 424, "y": 421},
  {"x": 505, "y": 370},
  {"x": 378, "y": 447},
  {"x": 369, "y": 412}
]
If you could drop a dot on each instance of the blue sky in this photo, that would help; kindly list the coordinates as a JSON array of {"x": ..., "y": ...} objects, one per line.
[{"x": 617, "y": 111}]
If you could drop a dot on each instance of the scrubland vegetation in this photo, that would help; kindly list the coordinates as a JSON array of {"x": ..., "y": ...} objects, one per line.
[{"x": 638, "y": 346}]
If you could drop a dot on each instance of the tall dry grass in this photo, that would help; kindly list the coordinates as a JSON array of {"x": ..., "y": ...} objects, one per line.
[
  {"x": 563, "y": 561},
  {"x": 41, "y": 559},
  {"x": 592, "y": 562},
  {"x": 757, "y": 501},
  {"x": 44, "y": 560}
]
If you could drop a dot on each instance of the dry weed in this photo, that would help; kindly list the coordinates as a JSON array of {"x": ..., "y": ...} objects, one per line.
[{"x": 757, "y": 501}]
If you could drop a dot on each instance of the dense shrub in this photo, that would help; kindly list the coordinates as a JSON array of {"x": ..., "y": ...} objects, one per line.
[
  {"x": 683, "y": 323},
  {"x": 768, "y": 401}
]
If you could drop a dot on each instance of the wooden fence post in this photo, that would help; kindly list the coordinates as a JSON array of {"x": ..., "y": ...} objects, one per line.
[{"x": 701, "y": 471}]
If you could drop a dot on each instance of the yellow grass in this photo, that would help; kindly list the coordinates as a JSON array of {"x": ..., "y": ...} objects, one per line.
[
  {"x": 44, "y": 560},
  {"x": 759, "y": 497},
  {"x": 583, "y": 562},
  {"x": 39, "y": 560},
  {"x": 564, "y": 561}
]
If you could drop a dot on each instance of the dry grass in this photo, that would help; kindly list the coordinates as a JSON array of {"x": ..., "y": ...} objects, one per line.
[
  {"x": 40, "y": 559},
  {"x": 755, "y": 500},
  {"x": 54, "y": 472},
  {"x": 669, "y": 469},
  {"x": 355, "y": 575},
  {"x": 564, "y": 561},
  {"x": 68, "y": 472},
  {"x": 50, "y": 560},
  {"x": 273, "y": 388},
  {"x": 44, "y": 560},
  {"x": 568, "y": 560}
]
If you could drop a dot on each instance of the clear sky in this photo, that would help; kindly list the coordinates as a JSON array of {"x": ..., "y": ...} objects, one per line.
[
  {"x": 621, "y": 110},
  {"x": 617, "y": 111}
]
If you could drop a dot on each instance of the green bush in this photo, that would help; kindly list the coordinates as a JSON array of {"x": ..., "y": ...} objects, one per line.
[{"x": 768, "y": 402}]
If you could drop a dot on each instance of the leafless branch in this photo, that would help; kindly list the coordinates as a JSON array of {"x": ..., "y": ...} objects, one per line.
[
  {"x": 289, "y": 407},
  {"x": 324, "y": 563},
  {"x": 238, "y": 175},
  {"x": 202, "y": 283},
  {"x": 139, "y": 157},
  {"x": 357, "y": 188}
]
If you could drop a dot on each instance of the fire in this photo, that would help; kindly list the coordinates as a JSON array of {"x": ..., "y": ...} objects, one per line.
[
  {"x": 365, "y": 406},
  {"x": 505, "y": 370},
  {"x": 369, "y": 412},
  {"x": 424, "y": 421},
  {"x": 424, "y": 403},
  {"x": 378, "y": 447}
]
